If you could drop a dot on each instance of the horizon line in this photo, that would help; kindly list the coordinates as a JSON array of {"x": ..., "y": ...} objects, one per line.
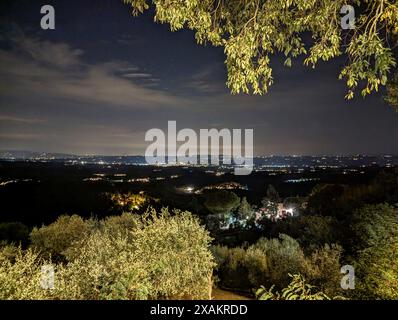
[{"x": 208, "y": 155}]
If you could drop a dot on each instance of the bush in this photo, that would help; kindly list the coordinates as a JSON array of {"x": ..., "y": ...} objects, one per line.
[
  {"x": 323, "y": 269},
  {"x": 103, "y": 266},
  {"x": 54, "y": 239},
  {"x": 310, "y": 231},
  {"x": 124, "y": 223},
  {"x": 257, "y": 266},
  {"x": 323, "y": 200},
  {"x": 377, "y": 273},
  {"x": 374, "y": 225},
  {"x": 176, "y": 251},
  {"x": 20, "y": 274},
  {"x": 221, "y": 202},
  {"x": 298, "y": 289},
  {"x": 232, "y": 267},
  {"x": 283, "y": 256},
  {"x": 270, "y": 261},
  {"x": 157, "y": 256},
  {"x": 375, "y": 236}
]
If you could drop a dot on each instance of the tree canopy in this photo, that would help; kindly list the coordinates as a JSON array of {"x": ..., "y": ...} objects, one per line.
[
  {"x": 375, "y": 231},
  {"x": 221, "y": 202},
  {"x": 392, "y": 92},
  {"x": 253, "y": 31}
]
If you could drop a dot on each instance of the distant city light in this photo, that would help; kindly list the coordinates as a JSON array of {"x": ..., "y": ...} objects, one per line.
[{"x": 290, "y": 210}]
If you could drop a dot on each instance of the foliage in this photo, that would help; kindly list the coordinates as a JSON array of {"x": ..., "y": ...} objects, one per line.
[
  {"x": 386, "y": 185},
  {"x": 272, "y": 194},
  {"x": 375, "y": 236},
  {"x": 258, "y": 266},
  {"x": 339, "y": 201},
  {"x": 54, "y": 239},
  {"x": 103, "y": 266},
  {"x": 175, "y": 249},
  {"x": 322, "y": 199},
  {"x": 251, "y": 32},
  {"x": 323, "y": 269},
  {"x": 392, "y": 92},
  {"x": 231, "y": 267},
  {"x": 284, "y": 255},
  {"x": 155, "y": 256},
  {"x": 245, "y": 213},
  {"x": 270, "y": 203},
  {"x": 298, "y": 289},
  {"x": 123, "y": 224},
  {"x": 377, "y": 268},
  {"x": 309, "y": 230},
  {"x": 20, "y": 274},
  {"x": 221, "y": 202},
  {"x": 269, "y": 261},
  {"x": 374, "y": 225}
]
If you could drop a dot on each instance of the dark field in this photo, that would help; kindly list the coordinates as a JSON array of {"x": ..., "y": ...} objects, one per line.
[{"x": 39, "y": 192}]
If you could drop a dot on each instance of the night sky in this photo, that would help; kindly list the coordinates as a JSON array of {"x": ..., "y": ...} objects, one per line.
[{"x": 98, "y": 82}]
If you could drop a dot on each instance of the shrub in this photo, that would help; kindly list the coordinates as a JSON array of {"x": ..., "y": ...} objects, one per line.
[
  {"x": 257, "y": 267},
  {"x": 54, "y": 239},
  {"x": 298, "y": 289},
  {"x": 232, "y": 267},
  {"x": 375, "y": 236},
  {"x": 310, "y": 231},
  {"x": 124, "y": 223},
  {"x": 221, "y": 202},
  {"x": 377, "y": 270},
  {"x": 20, "y": 274},
  {"x": 264, "y": 263},
  {"x": 284, "y": 256},
  {"x": 157, "y": 256},
  {"x": 103, "y": 266},
  {"x": 374, "y": 225},
  {"x": 175, "y": 249},
  {"x": 270, "y": 261},
  {"x": 323, "y": 200},
  {"x": 323, "y": 269}
]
